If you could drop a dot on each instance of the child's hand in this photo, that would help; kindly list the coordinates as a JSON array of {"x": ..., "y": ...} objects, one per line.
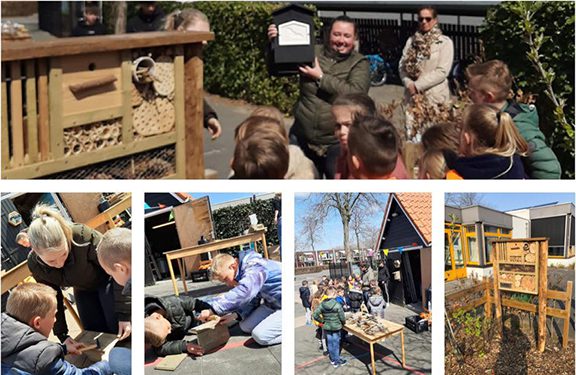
[
  {"x": 194, "y": 349},
  {"x": 214, "y": 128},
  {"x": 205, "y": 315},
  {"x": 124, "y": 330},
  {"x": 73, "y": 347}
]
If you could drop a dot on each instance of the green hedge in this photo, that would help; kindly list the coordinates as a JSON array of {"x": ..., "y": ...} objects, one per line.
[
  {"x": 504, "y": 39},
  {"x": 233, "y": 221}
]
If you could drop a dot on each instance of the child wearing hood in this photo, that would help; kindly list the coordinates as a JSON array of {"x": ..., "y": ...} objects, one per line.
[
  {"x": 376, "y": 304},
  {"x": 331, "y": 315}
]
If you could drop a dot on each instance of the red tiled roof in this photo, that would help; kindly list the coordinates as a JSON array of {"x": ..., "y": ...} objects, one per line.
[{"x": 418, "y": 207}]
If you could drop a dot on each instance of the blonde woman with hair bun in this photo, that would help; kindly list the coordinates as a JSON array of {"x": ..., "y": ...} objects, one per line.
[{"x": 64, "y": 255}]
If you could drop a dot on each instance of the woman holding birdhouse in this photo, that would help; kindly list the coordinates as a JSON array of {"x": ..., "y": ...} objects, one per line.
[{"x": 338, "y": 69}]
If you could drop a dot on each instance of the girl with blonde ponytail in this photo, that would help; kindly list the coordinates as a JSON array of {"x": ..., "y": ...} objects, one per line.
[
  {"x": 490, "y": 146},
  {"x": 64, "y": 255}
]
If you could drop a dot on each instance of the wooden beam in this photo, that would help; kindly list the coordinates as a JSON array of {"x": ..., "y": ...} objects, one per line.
[
  {"x": 107, "y": 215},
  {"x": 193, "y": 111},
  {"x": 542, "y": 293},
  {"x": 54, "y": 166},
  {"x": 567, "y": 313},
  {"x": 127, "y": 121},
  {"x": 16, "y": 120},
  {"x": 102, "y": 43},
  {"x": 15, "y": 276},
  {"x": 55, "y": 100},
  {"x": 179, "y": 112},
  {"x": 476, "y": 288},
  {"x": 43, "y": 111},
  {"x": 5, "y": 122},
  {"x": 497, "y": 301},
  {"x": 31, "y": 112},
  {"x": 71, "y": 121}
]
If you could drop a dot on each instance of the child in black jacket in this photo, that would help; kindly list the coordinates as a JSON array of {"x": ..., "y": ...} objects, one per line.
[
  {"x": 167, "y": 321},
  {"x": 306, "y": 301}
]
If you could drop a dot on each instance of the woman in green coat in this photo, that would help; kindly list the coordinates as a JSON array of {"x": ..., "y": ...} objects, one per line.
[{"x": 338, "y": 69}]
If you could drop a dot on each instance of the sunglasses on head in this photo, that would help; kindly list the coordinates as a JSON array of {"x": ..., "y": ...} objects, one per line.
[{"x": 422, "y": 19}]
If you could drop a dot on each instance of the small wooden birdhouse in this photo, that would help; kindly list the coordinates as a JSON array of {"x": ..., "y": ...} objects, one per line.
[{"x": 294, "y": 45}]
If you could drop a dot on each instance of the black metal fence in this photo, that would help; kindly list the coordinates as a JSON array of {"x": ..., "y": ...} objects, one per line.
[{"x": 388, "y": 37}]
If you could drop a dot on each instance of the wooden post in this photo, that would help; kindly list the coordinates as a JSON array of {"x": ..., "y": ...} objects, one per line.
[
  {"x": 31, "y": 112},
  {"x": 194, "y": 111},
  {"x": 56, "y": 106},
  {"x": 43, "y": 112},
  {"x": 542, "y": 292},
  {"x": 567, "y": 307},
  {"x": 126, "y": 84},
  {"x": 488, "y": 304},
  {"x": 17, "y": 123},
  {"x": 5, "y": 122},
  {"x": 497, "y": 300}
]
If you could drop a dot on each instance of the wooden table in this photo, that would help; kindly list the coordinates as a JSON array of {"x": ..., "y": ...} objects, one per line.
[
  {"x": 180, "y": 254},
  {"x": 392, "y": 329}
]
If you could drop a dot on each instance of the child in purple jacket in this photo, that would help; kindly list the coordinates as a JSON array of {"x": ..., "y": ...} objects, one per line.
[{"x": 255, "y": 298}]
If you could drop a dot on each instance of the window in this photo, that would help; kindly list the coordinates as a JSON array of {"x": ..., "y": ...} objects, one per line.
[
  {"x": 488, "y": 247},
  {"x": 471, "y": 228},
  {"x": 556, "y": 251},
  {"x": 473, "y": 249},
  {"x": 490, "y": 229},
  {"x": 505, "y": 231}
]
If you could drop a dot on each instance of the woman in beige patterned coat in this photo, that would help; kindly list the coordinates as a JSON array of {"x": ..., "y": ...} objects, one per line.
[{"x": 424, "y": 68}]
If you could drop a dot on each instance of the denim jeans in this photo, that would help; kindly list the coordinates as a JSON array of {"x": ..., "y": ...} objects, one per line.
[
  {"x": 333, "y": 341},
  {"x": 308, "y": 316},
  {"x": 121, "y": 361},
  {"x": 264, "y": 324}
]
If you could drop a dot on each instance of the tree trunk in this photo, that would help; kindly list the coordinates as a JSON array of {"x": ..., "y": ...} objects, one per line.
[{"x": 346, "y": 227}]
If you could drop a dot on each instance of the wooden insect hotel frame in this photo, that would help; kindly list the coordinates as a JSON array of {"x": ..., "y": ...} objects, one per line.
[
  {"x": 81, "y": 108},
  {"x": 521, "y": 265}
]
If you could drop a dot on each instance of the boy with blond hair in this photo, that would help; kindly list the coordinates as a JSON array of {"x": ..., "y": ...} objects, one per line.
[
  {"x": 490, "y": 83},
  {"x": 255, "y": 297},
  {"x": 26, "y": 325},
  {"x": 115, "y": 257}
]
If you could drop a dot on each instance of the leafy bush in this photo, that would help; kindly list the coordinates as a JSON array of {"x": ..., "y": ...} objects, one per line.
[
  {"x": 473, "y": 332},
  {"x": 233, "y": 221},
  {"x": 505, "y": 37}
]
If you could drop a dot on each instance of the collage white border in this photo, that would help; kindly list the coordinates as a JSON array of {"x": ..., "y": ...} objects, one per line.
[{"x": 288, "y": 188}]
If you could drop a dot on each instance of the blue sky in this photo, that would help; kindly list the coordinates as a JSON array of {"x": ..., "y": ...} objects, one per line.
[
  {"x": 332, "y": 236},
  {"x": 512, "y": 201},
  {"x": 216, "y": 198}
]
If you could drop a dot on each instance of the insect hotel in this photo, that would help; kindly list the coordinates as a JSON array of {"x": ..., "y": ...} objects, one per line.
[{"x": 104, "y": 107}]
